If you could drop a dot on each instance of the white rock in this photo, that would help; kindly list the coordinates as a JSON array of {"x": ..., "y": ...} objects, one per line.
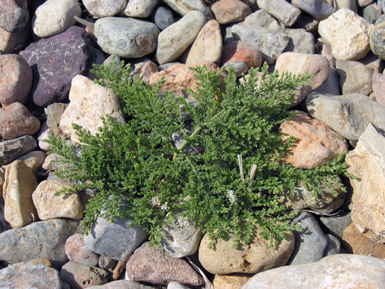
[
  {"x": 140, "y": 8},
  {"x": 281, "y": 9},
  {"x": 104, "y": 8},
  {"x": 183, "y": 7}
]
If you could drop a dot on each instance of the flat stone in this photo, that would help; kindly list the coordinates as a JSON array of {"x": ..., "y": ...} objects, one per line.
[
  {"x": 14, "y": 15},
  {"x": 12, "y": 149},
  {"x": 38, "y": 240},
  {"x": 15, "y": 79},
  {"x": 355, "y": 77},
  {"x": 336, "y": 271},
  {"x": 240, "y": 51},
  {"x": 230, "y": 281},
  {"x": 16, "y": 121},
  {"x": 19, "y": 184},
  {"x": 81, "y": 276},
  {"x": 104, "y": 8},
  {"x": 163, "y": 17},
  {"x": 316, "y": 143},
  {"x": 54, "y": 17},
  {"x": 78, "y": 252},
  {"x": 53, "y": 67},
  {"x": 140, "y": 8},
  {"x": 281, "y": 10},
  {"x": 230, "y": 11},
  {"x": 258, "y": 256},
  {"x": 336, "y": 225},
  {"x": 27, "y": 275},
  {"x": 183, "y": 7},
  {"x": 155, "y": 266},
  {"x": 13, "y": 42},
  {"x": 175, "y": 39},
  {"x": 89, "y": 102},
  {"x": 347, "y": 34},
  {"x": 319, "y": 9}
]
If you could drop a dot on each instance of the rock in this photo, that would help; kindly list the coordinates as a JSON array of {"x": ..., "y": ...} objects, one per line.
[
  {"x": 104, "y": 8},
  {"x": 230, "y": 11},
  {"x": 356, "y": 243},
  {"x": 54, "y": 17},
  {"x": 34, "y": 159},
  {"x": 300, "y": 41},
  {"x": 230, "y": 281},
  {"x": 140, "y": 8},
  {"x": 373, "y": 63},
  {"x": 364, "y": 3},
  {"x": 13, "y": 42},
  {"x": 333, "y": 246},
  {"x": 315, "y": 65},
  {"x": 176, "y": 38},
  {"x": 14, "y": 15},
  {"x": 163, "y": 17},
  {"x": 43, "y": 261},
  {"x": 155, "y": 266},
  {"x": 98, "y": 58},
  {"x": 316, "y": 143},
  {"x": 259, "y": 255},
  {"x": 148, "y": 69},
  {"x": 378, "y": 81},
  {"x": 49, "y": 206},
  {"x": 38, "y": 240},
  {"x": 88, "y": 103},
  {"x": 325, "y": 50},
  {"x": 336, "y": 271},
  {"x": 176, "y": 285},
  {"x": 281, "y": 10},
  {"x": 336, "y": 225},
  {"x": 106, "y": 262},
  {"x": 240, "y": 51},
  {"x": 15, "y": 79},
  {"x": 81, "y": 276},
  {"x": 78, "y": 252},
  {"x": 319, "y": 9},
  {"x": 332, "y": 85},
  {"x": 19, "y": 184},
  {"x": 183, "y": 7},
  {"x": 43, "y": 135},
  {"x": 348, "y": 115},
  {"x": 16, "y": 121},
  {"x": 347, "y": 4},
  {"x": 347, "y": 34},
  {"x": 53, "y": 67},
  {"x": 54, "y": 112},
  {"x": 121, "y": 284},
  {"x": 355, "y": 77},
  {"x": 27, "y": 275},
  {"x": 372, "y": 13},
  {"x": 4, "y": 225},
  {"x": 132, "y": 38},
  {"x": 366, "y": 162},
  {"x": 12, "y": 149},
  {"x": 115, "y": 240},
  {"x": 207, "y": 46}
]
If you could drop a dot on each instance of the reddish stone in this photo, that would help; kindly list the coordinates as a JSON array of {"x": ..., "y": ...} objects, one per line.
[
  {"x": 78, "y": 252},
  {"x": 378, "y": 83},
  {"x": 241, "y": 51},
  {"x": 229, "y": 11}
]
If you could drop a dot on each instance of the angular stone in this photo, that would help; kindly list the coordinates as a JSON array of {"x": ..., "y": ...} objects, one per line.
[
  {"x": 259, "y": 255},
  {"x": 367, "y": 163},
  {"x": 104, "y": 8},
  {"x": 240, "y": 51},
  {"x": 81, "y": 276},
  {"x": 316, "y": 143},
  {"x": 163, "y": 17},
  {"x": 16, "y": 121},
  {"x": 230, "y": 11},
  {"x": 78, "y": 252},
  {"x": 355, "y": 77},
  {"x": 140, "y": 8},
  {"x": 230, "y": 281},
  {"x": 183, "y": 7},
  {"x": 348, "y": 115},
  {"x": 12, "y": 149},
  {"x": 155, "y": 266},
  {"x": 38, "y": 240},
  {"x": 54, "y": 113},
  {"x": 13, "y": 42},
  {"x": 14, "y": 15},
  {"x": 15, "y": 79},
  {"x": 26, "y": 275},
  {"x": 315, "y": 65},
  {"x": 336, "y": 271},
  {"x": 55, "y": 61},
  {"x": 19, "y": 184},
  {"x": 300, "y": 41},
  {"x": 54, "y": 17},
  {"x": 336, "y": 225},
  {"x": 49, "y": 206},
  {"x": 176, "y": 38},
  {"x": 378, "y": 81},
  {"x": 281, "y": 10},
  {"x": 332, "y": 85},
  {"x": 347, "y": 34},
  {"x": 121, "y": 284},
  {"x": 88, "y": 103},
  {"x": 372, "y": 13},
  {"x": 319, "y": 9},
  {"x": 333, "y": 246}
]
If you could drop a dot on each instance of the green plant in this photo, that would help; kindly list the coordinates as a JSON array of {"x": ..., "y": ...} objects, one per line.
[{"x": 136, "y": 163}]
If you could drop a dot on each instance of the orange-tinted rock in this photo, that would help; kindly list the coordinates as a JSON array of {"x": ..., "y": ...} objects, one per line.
[
  {"x": 230, "y": 11},
  {"x": 240, "y": 51},
  {"x": 78, "y": 252},
  {"x": 230, "y": 281}
]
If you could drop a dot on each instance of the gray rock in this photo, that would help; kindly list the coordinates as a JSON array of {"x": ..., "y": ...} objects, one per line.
[
  {"x": 355, "y": 77},
  {"x": 347, "y": 4},
  {"x": 333, "y": 246},
  {"x": 377, "y": 38},
  {"x": 300, "y": 41},
  {"x": 281, "y": 10},
  {"x": 332, "y": 85},
  {"x": 239, "y": 66},
  {"x": 43, "y": 239},
  {"x": 167, "y": 65},
  {"x": 140, "y": 8},
  {"x": 348, "y": 115},
  {"x": 80, "y": 276},
  {"x": 337, "y": 224},
  {"x": 183, "y": 7},
  {"x": 319, "y": 9},
  {"x": 27, "y": 275},
  {"x": 371, "y": 13},
  {"x": 121, "y": 284},
  {"x": 54, "y": 113},
  {"x": 163, "y": 17},
  {"x": 126, "y": 37},
  {"x": 4, "y": 225},
  {"x": 310, "y": 242},
  {"x": 12, "y": 149}
]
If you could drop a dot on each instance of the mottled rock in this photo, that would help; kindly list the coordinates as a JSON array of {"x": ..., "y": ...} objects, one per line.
[
  {"x": 12, "y": 149},
  {"x": 355, "y": 77},
  {"x": 155, "y": 266},
  {"x": 230, "y": 281},
  {"x": 38, "y": 240},
  {"x": 104, "y": 8},
  {"x": 140, "y": 8},
  {"x": 319, "y": 9},
  {"x": 347, "y": 34},
  {"x": 378, "y": 82},
  {"x": 332, "y": 85},
  {"x": 15, "y": 79},
  {"x": 300, "y": 41},
  {"x": 54, "y": 17},
  {"x": 13, "y": 42},
  {"x": 54, "y": 112},
  {"x": 316, "y": 143},
  {"x": 337, "y": 224},
  {"x": 336, "y": 271},
  {"x": 88, "y": 103},
  {"x": 27, "y": 275},
  {"x": 315, "y": 65},
  {"x": 148, "y": 69},
  {"x": 78, "y": 252},
  {"x": 240, "y": 51},
  {"x": 163, "y": 17},
  {"x": 176, "y": 38},
  {"x": 81, "y": 276},
  {"x": 183, "y": 7},
  {"x": 230, "y": 11},
  {"x": 14, "y": 15},
  {"x": 281, "y": 10},
  {"x": 121, "y": 284},
  {"x": 53, "y": 67},
  {"x": 259, "y": 255}
]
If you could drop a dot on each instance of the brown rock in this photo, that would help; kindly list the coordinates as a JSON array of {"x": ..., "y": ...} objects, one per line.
[
  {"x": 378, "y": 81},
  {"x": 229, "y": 11},
  {"x": 241, "y": 51},
  {"x": 16, "y": 120},
  {"x": 46, "y": 262},
  {"x": 78, "y": 252},
  {"x": 316, "y": 144},
  {"x": 33, "y": 159},
  {"x": 15, "y": 79},
  {"x": 13, "y": 15},
  {"x": 118, "y": 270},
  {"x": 82, "y": 276},
  {"x": 230, "y": 281},
  {"x": 155, "y": 266},
  {"x": 148, "y": 69},
  {"x": 13, "y": 42},
  {"x": 106, "y": 262}
]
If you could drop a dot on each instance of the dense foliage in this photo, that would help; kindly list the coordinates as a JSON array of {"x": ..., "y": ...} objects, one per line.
[{"x": 139, "y": 173}]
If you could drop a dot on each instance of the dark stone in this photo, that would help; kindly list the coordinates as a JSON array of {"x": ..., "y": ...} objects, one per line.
[
  {"x": 15, "y": 41},
  {"x": 337, "y": 224},
  {"x": 163, "y": 17},
  {"x": 12, "y": 149},
  {"x": 4, "y": 225},
  {"x": 55, "y": 61},
  {"x": 14, "y": 15},
  {"x": 319, "y": 9}
]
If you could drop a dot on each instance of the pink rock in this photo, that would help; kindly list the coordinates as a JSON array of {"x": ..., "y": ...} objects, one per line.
[
  {"x": 241, "y": 51},
  {"x": 78, "y": 252},
  {"x": 378, "y": 82},
  {"x": 15, "y": 79},
  {"x": 230, "y": 11}
]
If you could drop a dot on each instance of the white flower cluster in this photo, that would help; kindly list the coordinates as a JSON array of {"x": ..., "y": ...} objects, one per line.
[
  {"x": 157, "y": 202},
  {"x": 182, "y": 222},
  {"x": 231, "y": 196}
]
